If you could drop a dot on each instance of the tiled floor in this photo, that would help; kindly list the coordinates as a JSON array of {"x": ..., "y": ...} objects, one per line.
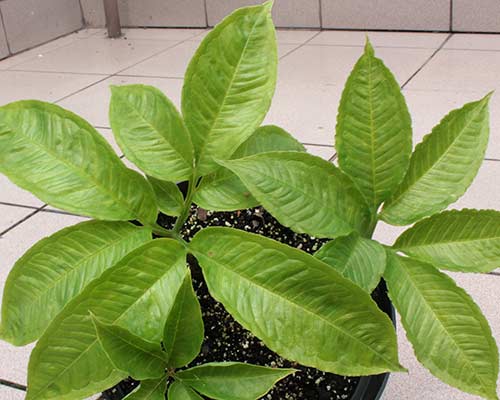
[{"x": 437, "y": 71}]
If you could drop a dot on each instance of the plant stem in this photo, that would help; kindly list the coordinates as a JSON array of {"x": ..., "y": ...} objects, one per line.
[{"x": 187, "y": 204}]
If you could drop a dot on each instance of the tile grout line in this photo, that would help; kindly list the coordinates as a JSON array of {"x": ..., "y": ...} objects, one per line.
[
  {"x": 13, "y": 385},
  {"x": 13, "y": 226}
]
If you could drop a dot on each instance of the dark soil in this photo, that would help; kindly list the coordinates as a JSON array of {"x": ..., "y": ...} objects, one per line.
[{"x": 226, "y": 340}]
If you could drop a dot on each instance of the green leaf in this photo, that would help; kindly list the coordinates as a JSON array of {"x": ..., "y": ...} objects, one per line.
[
  {"x": 229, "y": 84},
  {"x": 151, "y": 132},
  {"x": 356, "y": 258},
  {"x": 179, "y": 391},
  {"x": 233, "y": 381},
  {"x": 373, "y": 129},
  {"x": 68, "y": 363},
  {"x": 129, "y": 353},
  {"x": 448, "y": 332},
  {"x": 56, "y": 269},
  {"x": 149, "y": 390},
  {"x": 184, "y": 332},
  {"x": 465, "y": 240},
  {"x": 64, "y": 161},
  {"x": 223, "y": 190},
  {"x": 169, "y": 197},
  {"x": 298, "y": 306},
  {"x": 442, "y": 166},
  {"x": 304, "y": 192}
]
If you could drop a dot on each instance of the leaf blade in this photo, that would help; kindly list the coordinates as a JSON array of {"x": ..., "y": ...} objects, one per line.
[
  {"x": 63, "y": 264},
  {"x": 358, "y": 259},
  {"x": 235, "y": 262},
  {"x": 232, "y": 381},
  {"x": 294, "y": 188},
  {"x": 149, "y": 390},
  {"x": 222, "y": 80},
  {"x": 184, "y": 332},
  {"x": 65, "y": 162},
  {"x": 169, "y": 197},
  {"x": 449, "y": 334},
  {"x": 374, "y": 134},
  {"x": 442, "y": 166},
  {"x": 179, "y": 391},
  {"x": 151, "y": 133},
  {"x": 68, "y": 361}
]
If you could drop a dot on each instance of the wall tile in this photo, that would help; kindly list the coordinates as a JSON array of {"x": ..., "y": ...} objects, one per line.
[
  {"x": 476, "y": 16},
  {"x": 4, "y": 49},
  {"x": 31, "y": 22},
  {"x": 93, "y": 13},
  {"x": 286, "y": 13},
  {"x": 387, "y": 14}
]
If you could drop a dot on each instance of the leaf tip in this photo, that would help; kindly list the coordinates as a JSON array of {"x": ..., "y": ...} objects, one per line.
[
  {"x": 369, "y": 51},
  {"x": 268, "y": 5}
]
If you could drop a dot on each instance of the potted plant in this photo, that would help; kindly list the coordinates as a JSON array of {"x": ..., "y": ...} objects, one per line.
[{"x": 280, "y": 280}]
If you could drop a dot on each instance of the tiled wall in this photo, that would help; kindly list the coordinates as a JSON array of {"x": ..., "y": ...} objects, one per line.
[
  {"x": 418, "y": 15},
  {"x": 27, "y": 23}
]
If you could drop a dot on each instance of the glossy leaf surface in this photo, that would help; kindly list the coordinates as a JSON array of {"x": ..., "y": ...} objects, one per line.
[
  {"x": 129, "y": 353},
  {"x": 233, "y": 381},
  {"x": 442, "y": 166},
  {"x": 229, "y": 84},
  {"x": 465, "y": 240},
  {"x": 65, "y": 162},
  {"x": 149, "y": 390},
  {"x": 169, "y": 197},
  {"x": 184, "y": 332},
  {"x": 58, "y": 268},
  {"x": 374, "y": 132},
  {"x": 68, "y": 362},
  {"x": 358, "y": 259},
  {"x": 179, "y": 391},
  {"x": 298, "y": 306},
  {"x": 223, "y": 190},
  {"x": 448, "y": 332},
  {"x": 151, "y": 132},
  {"x": 304, "y": 192}
]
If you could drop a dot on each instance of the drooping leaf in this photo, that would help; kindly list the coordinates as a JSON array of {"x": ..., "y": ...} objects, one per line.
[
  {"x": 304, "y": 192},
  {"x": 64, "y": 161},
  {"x": 298, "y": 306},
  {"x": 359, "y": 259},
  {"x": 442, "y": 166},
  {"x": 374, "y": 132},
  {"x": 184, "y": 332},
  {"x": 179, "y": 391},
  {"x": 233, "y": 381},
  {"x": 149, "y": 390},
  {"x": 58, "y": 268},
  {"x": 169, "y": 197},
  {"x": 68, "y": 362},
  {"x": 223, "y": 190},
  {"x": 448, "y": 332},
  {"x": 151, "y": 132},
  {"x": 129, "y": 353},
  {"x": 229, "y": 84},
  {"x": 465, "y": 240}
]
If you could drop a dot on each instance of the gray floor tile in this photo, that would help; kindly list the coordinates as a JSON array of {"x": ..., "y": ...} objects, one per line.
[
  {"x": 10, "y": 193},
  {"x": 325, "y": 152},
  {"x": 11, "y": 215},
  {"x": 7, "y": 393},
  {"x": 473, "y": 41}
]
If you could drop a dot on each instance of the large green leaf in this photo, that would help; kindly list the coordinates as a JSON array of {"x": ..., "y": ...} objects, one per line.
[
  {"x": 151, "y": 132},
  {"x": 64, "y": 161},
  {"x": 449, "y": 333},
  {"x": 304, "y": 192},
  {"x": 229, "y": 84},
  {"x": 169, "y": 197},
  {"x": 129, "y": 353},
  {"x": 179, "y": 391},
  {"x": 373, "y": 129},
  {"x": 184, "y": 332},
  {"x": 232, "y": 381},
  {"x": 223, "y": 190},
  {"x": 58, "y": 268},
  {"x": 300, "y": 307},
  {"x": 442, "y": 166},
  {"x": 466, "y": 240},
  {"x": 68, "y": 362},
  {"x": 358, "y": 259},
  {"x": 149, "y": 390}
]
